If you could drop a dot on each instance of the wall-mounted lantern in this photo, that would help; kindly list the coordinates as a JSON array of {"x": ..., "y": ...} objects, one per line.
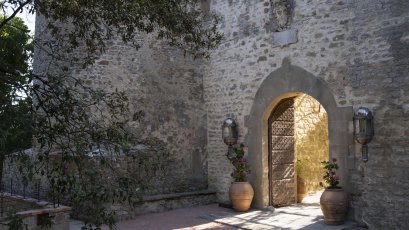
[
  {"x": 230, "y": 135},
  {"x": 363, "y": 129}
]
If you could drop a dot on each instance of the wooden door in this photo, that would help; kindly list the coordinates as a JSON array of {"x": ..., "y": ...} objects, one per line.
[{"x": 283, "y": 189}]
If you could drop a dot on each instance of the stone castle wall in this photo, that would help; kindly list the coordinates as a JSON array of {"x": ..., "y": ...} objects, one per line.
[
  {"x": 359, "y": 49},
  {"x": 165, "y": 92}
]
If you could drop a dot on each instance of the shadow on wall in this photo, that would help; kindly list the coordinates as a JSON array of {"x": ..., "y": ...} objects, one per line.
[{"x": 311, "y": 140}]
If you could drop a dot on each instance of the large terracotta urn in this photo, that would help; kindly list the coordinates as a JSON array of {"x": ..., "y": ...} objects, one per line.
[
  {"x": 334, "y": 206},
  {"x": 301, "y": 189},
  {"x": 241, "y": 194}
]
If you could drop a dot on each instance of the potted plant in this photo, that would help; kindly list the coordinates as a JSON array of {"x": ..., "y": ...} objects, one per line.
[
  {"x": 240, "y": 192},
  {"x": 333, "y": 200}
]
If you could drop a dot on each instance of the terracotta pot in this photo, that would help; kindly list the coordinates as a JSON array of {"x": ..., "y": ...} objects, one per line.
[
  {"x": 334, "y": 206},
  {"x": 241, "y": 195},
  {"x": 301, "y": 189}
]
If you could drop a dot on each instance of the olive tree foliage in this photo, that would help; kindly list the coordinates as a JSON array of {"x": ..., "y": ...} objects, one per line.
[
  {"x": 82, "y": 145},
  {"x": 95, "y": 21},
  {"x": 15, "y": 106}
]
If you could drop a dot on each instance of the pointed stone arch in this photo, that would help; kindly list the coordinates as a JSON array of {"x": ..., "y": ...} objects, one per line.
[{"x": 285, "y": 82}]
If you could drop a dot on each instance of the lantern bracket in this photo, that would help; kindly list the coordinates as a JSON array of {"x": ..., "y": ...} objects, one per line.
[
  {"x": 363, "y": 129},
  {"x": 230, "y": 136}
]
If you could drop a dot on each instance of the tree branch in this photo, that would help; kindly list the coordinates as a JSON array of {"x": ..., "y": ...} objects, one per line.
[{"x": 22, "y": 5}]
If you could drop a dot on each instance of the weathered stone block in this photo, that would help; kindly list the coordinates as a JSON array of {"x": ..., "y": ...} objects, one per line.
[{"x": 284, "y": 38}]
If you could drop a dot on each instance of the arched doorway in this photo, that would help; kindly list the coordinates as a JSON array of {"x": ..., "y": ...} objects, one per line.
[
  {"x": 286, "y": 82},
  {"x": 298, "y": 142}
]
